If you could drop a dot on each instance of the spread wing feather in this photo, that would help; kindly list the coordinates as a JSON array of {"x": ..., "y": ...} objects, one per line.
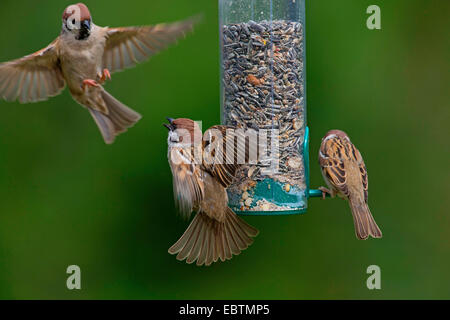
[
  {"x": 187, "y": 181},
  {"x": 187, "y": 175},
  {"x": 33, "y": 78},
  {"x": 125, "y": 47},
  {"x": 222, "y": 151}
]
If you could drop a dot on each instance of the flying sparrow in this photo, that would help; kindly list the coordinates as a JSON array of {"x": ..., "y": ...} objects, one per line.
[
  {"x": 216, "y": 232},
  {"x": 83, "y": 56},
  {"x": 345, "y": 173}
]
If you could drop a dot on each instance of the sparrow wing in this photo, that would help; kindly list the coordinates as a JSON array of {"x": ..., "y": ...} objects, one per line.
[
  {"x": 35, "y": 77},
  {"x": 125, "y": 47},
  {"x": 331, "y": 160},
  {"x": 363, "y": 171},
  {"x": 221, "y": 157},
  {"x": 188, "y": 185}
]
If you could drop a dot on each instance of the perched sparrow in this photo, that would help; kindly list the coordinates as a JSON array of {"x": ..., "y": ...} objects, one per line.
[
  {"x": 345, "y": 173},
  {"x": 83, "y": 56},
  {"x": 216, "y": 232}
]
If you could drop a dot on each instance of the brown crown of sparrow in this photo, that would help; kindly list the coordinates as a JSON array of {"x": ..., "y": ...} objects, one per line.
[
  {"x": 83, "y": 56},
  {"x": 345, "y": 173},
  {"x": 216, "y": 232}
]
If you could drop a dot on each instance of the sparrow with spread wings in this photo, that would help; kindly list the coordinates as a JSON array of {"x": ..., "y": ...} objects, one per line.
[
  {"x": 216, "y": 232},
  {"x": 345, "y": 173},
  {"x": 83, "y": 57}
]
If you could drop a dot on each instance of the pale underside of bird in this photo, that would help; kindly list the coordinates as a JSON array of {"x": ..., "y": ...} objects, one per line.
[
  {"x": 345, "y": 173},
  {"x": 83, "y": 57},
  {"x": 216, "y": 232}
]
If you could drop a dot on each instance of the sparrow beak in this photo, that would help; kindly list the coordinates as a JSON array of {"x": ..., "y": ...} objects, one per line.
[
  {"x": 85, "y": 30},
  {"x": 86, "y": 24},
  {"x": 169, "y": 125}
]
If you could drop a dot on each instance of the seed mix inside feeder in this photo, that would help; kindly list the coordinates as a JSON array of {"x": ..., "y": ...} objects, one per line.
[{"x": 263, "y": 89}]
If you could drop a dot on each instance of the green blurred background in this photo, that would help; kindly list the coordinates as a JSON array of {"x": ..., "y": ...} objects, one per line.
[{"x": 67, "y": 198}]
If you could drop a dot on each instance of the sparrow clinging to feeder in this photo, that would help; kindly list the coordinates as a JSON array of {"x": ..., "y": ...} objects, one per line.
[
  {"x": 345, "y": 173},
  {"x": 216, "y": 232},
  {"x": 83, "y": 56}
]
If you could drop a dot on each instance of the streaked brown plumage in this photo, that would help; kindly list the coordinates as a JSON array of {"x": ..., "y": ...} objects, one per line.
[
  {"x": 345, "y": 173},
  {"x": 83, "y": 57},
  {"x": 216, "y": 232}
]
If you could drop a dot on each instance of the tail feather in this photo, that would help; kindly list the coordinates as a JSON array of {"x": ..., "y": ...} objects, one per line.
[
  {"x": 194, "y": 237},
  {"x": 365, "y": 224},
  {"x": 212, "y": 252},
  {"x": 374, "y": 230},
  {"x": 118, "y": 119},
  {"x": 207, "y": 240},
  {"x": 231, "y": 241},
  {"x": 225, "y": 254},
  {"x": 204, "y": 244}
]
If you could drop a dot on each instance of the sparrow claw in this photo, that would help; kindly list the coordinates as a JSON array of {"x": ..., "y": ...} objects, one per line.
[
  {"x": 325, "y": 191},
  {"x": 90, "y": 83},
  {"x": 105, "y": 75}
]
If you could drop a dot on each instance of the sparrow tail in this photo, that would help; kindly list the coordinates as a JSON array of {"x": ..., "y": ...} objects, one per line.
[
  {"x": 118, "y": 120},
  {"x": 365, "y": 225},
  {"x": 207, "y": 240}
]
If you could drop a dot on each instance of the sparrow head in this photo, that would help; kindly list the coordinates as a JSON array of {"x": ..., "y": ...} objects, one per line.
[
  {"x": 335, "y": 133},
  {"x": 77, "y": 21},
  {"x": 181, "y": 130}
]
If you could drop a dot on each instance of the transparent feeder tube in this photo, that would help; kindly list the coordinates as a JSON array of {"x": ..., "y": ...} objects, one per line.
[{"x": 263, "y": 89}]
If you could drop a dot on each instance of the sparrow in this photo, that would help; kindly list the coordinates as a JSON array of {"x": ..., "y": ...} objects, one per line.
[
  {"x": 215, "y": 232},
  {"x": 83, "y": 57},
  {"x": 345, "y": 173}
]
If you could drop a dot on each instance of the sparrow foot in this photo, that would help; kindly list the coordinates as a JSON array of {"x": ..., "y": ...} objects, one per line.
[
  {"x": 90, "y": 83},
  {"x": 325, "y": 191},
  {"x": 106, "y": 75}
]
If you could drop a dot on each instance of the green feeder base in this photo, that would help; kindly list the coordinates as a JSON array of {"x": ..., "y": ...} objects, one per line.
[{"x": 272, "y": 198}]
